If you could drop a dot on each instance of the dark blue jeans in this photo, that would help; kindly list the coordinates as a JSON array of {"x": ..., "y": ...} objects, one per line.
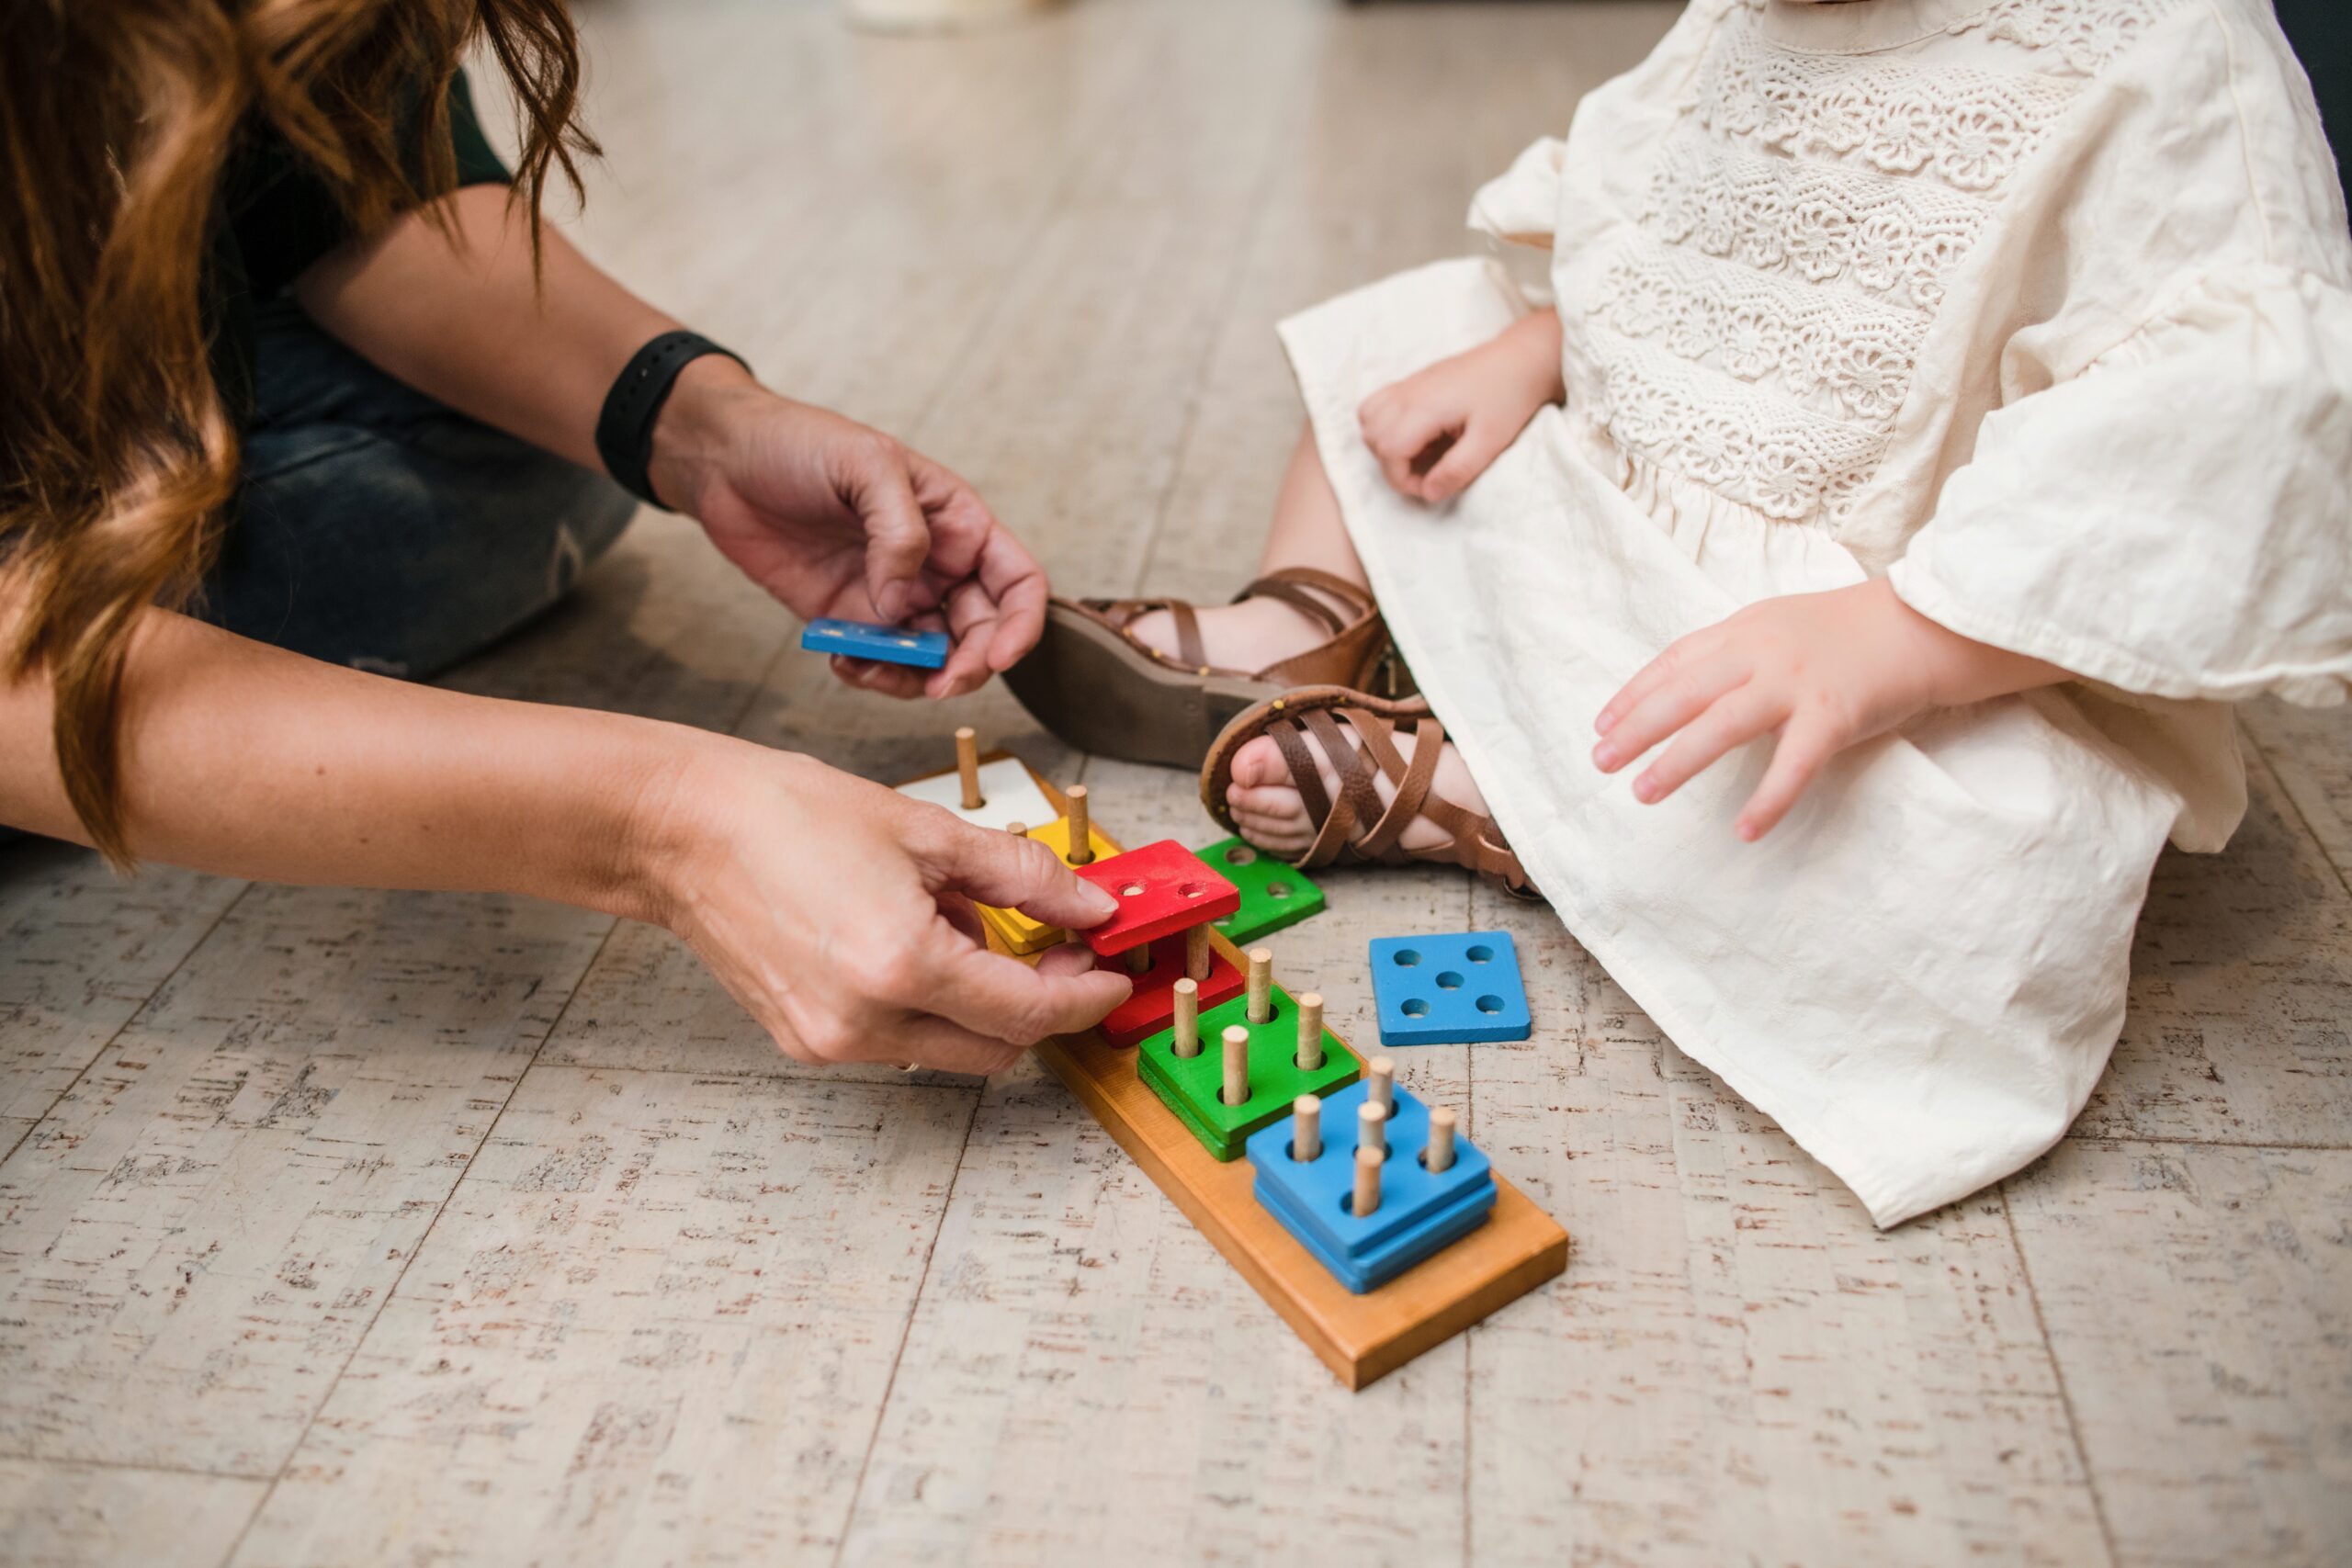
[{"x": 381, "y": 529}]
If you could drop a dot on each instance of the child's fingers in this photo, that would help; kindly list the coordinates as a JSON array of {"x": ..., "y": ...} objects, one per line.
[
  {"x": 1402, "y": 440},
  {"x": 1471, "y": 455},
  {"x": 1739, "y": 718},
  {"x": 1677, "y": 657},
  {"x": 1803, "y": 747},
  {"x": 1670, "y": 700}
]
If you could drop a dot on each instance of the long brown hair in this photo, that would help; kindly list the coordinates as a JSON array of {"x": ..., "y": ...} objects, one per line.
[{"x": 117, "y": 117}]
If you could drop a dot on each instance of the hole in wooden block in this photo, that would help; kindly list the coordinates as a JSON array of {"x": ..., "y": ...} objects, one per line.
[
  {"x": 1240, "y": 855},
  {"x": 1190, "y": 889},
  {"x": 1132, "y": 890},
  {"x": 1278, "y": 889},
  {"x": 1480, "y": 954},
  {"x": 1485, "y": 1004},
  {"x": 1405, "y": 958},
  {"x": 1449, "y": 981},
  {"x": 1417, "y": 1007}
]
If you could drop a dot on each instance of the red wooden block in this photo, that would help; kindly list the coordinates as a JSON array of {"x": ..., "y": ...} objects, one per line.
[
  {"x": 1162, "y": 888},
  {"x": 1152, "y": 1008}
]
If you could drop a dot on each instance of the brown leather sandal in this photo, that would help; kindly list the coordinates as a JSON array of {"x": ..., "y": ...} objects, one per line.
[
  {"x": 1294, "y": 716},
  {"x": 1090, "y": 682}
]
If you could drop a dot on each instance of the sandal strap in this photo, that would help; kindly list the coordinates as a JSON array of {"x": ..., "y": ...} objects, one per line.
[
  {"x": 1188, "y": 645},
  {"x": 1474, "y": 839},
  {"x": 1359, "y": 801},
  {"x": 1291, "y": 585},
  {"x": 1411, "y": 781}
]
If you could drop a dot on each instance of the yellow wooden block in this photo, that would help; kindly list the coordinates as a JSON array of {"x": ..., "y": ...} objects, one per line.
[{"x": 1021, "y": 934}]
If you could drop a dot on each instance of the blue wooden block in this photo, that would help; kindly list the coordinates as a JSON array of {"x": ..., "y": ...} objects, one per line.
[
  {"x": 1448, "y": 990},
  {"x": 885, "y": 645},
  {"x": 1420, "y": 1214}
]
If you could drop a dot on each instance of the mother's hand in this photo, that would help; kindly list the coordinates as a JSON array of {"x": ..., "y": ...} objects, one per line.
[
  {"x": 837, "y": 519},
  {"x": 839, "y": 913}
]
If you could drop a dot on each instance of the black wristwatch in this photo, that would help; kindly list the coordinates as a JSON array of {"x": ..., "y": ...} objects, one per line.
[{"x": 625, "y": 430}]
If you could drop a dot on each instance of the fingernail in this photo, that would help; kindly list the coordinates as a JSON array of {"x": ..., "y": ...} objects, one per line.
[
  {"x": 1605, "y": 722},
  {"x": 1746, "y": 831},
  {"x": 1101, "y": 902},
  {"x": 1645, "y": 789},
  {"x": 1604, "y": 757}
]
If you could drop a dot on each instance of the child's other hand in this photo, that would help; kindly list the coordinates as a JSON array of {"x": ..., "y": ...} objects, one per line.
[
  {"x": 1819, "y": 671},
  {"x": 1438, "y": 429}
]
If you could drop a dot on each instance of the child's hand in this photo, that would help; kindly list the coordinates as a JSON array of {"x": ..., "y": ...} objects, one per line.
[
  {"x": 1438, "y": 429},
  {"x": 1822, "y": 672}
]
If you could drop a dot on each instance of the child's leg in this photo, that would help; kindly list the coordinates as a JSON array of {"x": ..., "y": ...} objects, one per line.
[{"x": 1307, "y": 530}]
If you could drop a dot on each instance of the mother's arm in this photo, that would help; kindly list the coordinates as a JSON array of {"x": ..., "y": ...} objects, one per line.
[
  {"x": 250, "y": 761},
  {"x": 830, "y": 516}
]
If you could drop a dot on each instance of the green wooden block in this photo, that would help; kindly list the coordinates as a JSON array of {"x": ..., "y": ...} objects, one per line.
[
  {"x": 1194, "y": 1086},
  {"x": 1275, "y": 894}
]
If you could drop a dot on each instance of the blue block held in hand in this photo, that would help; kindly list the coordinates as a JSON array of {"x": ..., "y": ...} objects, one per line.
[{"x": 884, "y": 645}]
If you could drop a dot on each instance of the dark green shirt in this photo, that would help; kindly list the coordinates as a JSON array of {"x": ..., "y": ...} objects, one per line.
[{"x": 273, "y": 217}]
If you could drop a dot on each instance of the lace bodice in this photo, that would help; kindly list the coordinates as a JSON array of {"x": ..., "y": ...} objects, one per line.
[{"x": 1757, "y": 326}]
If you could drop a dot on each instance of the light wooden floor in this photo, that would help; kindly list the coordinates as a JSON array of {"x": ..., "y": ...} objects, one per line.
[{"x": 354, "y": 1227}]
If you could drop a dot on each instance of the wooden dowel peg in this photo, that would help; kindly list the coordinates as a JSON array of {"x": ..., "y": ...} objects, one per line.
[
  {"x": 1140, "y": 959},
  {"x": 1367, "y": 1196},
  {"x": 968, "y": 765},
  {"x": 1262, "y": 984},
  {"x": 1372, "y": 1129},
  {"x": 1441, "y": 1150},
  {"x": 1236, "y": 1064},
  {"x": 1188, "y": 1018},
  {"x": 1380, "y": 1084},
  {"x": 1082, "y": 831},
  {"x": 1018, "y": 829},
  {"x": 1197, "y": 956},
  {"x": 1310, "y": 1031},
  {"x": 1307, "y": 1129}
]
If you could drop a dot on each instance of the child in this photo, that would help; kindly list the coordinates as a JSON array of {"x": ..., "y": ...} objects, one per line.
[{"x": 1946, "y": 413}]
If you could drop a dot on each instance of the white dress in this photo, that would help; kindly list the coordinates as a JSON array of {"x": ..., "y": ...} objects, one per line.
[{"x": 2037, "y": 308}]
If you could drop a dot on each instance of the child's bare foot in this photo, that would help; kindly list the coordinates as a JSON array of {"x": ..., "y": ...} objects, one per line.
[
  {"x": 1246, "y": 637},
  {"x": 1273, "y": 815}
]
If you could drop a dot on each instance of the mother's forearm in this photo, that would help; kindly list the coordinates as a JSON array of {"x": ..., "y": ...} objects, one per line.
[
  {"x": 250, "y": 762},
  {"x": 469, "y": 324}
]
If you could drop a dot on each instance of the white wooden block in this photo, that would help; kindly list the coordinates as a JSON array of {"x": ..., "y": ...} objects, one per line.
[{"x": 1008, "y": 794}]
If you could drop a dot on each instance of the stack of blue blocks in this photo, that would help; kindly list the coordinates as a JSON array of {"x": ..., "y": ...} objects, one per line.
[{"x": 1419, "y": 1212}]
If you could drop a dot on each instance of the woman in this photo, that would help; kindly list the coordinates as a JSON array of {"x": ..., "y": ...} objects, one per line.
[{"x": 284, "y": 346}]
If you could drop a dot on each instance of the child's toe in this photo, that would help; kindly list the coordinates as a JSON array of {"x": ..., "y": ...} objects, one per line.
[{"x": 1260, "y": 765}]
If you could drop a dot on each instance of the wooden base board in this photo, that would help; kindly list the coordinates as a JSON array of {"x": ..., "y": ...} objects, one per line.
[{"x": 1360, "y": 1337}]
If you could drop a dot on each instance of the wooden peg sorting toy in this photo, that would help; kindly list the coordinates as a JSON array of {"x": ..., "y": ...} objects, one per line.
[
  {"x": 1306, "y": 1128},
  {"x": 1372, "y": 1128},
  {"x": 1188, "y": 1018},
  {"x": 1367, "y": 1196},
  {"x": 1082, "y": 831},
  {"x": 1197, "y": 956},
  {"x": 967, "y": 766},
  {"x": 1236, "y": 1064},
  {"x": 1440, "y": 1154},
  {"x": 1262, "y": 984},
  {"x": 1380, "y": 1084},
  {"x": 1310, "y": 1031}
]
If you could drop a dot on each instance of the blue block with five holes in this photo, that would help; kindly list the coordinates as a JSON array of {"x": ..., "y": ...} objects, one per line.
[
  {"x": 1448, "y": 990},
  {"x": 884, "y": 645}
]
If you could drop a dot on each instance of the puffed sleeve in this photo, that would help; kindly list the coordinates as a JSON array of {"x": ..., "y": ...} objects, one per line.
[
  {"x": 2177, "y": 519},
  {"x": 1522, "y": 206}
]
